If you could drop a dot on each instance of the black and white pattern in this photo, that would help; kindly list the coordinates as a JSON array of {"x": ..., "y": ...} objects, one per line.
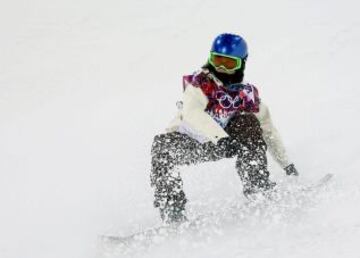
[{"x": 171, "y": 150}]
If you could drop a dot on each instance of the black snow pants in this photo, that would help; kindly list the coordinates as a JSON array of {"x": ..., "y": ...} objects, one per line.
[{"x": 174, "y": 149}]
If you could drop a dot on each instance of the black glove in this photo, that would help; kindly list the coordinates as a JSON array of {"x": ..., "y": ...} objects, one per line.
[{"x": 291, "y": 170}]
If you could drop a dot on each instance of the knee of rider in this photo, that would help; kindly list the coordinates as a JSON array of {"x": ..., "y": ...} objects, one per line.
[{"x": 162, "y": 143}]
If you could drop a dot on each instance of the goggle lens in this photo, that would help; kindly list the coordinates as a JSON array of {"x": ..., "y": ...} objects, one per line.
[{"x": 229, "y": 63}]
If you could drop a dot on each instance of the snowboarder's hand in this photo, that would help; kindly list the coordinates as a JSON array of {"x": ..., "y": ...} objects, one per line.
[{"x": 291, "y": 170}]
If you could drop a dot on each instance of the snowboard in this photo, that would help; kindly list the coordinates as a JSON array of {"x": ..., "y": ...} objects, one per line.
[{"x": 160, "y": 233}]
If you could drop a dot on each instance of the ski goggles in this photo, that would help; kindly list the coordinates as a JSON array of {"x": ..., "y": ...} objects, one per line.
[{"x": 229, "y": 63}]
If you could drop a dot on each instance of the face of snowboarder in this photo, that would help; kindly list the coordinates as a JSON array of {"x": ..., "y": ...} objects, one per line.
[{"x": 225, "y": 64}]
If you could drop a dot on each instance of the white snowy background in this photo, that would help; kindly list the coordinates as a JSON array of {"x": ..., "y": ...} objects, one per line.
[{"x": 85, "y": 85}]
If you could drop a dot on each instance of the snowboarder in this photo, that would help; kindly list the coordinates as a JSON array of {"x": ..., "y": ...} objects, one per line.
[{"x": 219, "y": 117}]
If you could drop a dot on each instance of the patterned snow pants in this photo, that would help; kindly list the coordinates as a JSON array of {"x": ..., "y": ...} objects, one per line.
[{"x": 174, "y": 149}]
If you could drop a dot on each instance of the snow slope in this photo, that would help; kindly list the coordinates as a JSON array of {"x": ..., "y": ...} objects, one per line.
[{"x": 85, "y": 85}]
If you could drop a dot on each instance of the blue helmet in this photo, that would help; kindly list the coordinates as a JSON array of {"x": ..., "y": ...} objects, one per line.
[{"x": 230, "y": 45}]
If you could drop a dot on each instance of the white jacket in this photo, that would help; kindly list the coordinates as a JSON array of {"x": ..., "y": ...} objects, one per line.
[{"x": 193, "y": 120}]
